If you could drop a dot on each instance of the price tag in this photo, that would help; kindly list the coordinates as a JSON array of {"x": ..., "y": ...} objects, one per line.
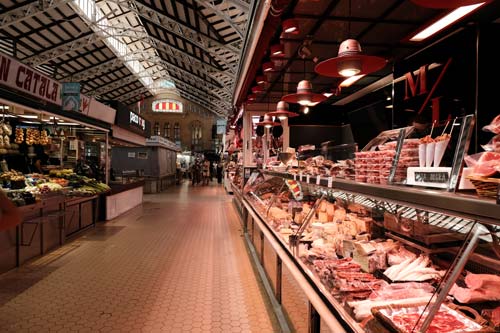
[
  {"x": 294, "y": 176},
  {"x": 300, "y": 176},
  {"x": 318, "y": 180},
  {"x": 330, "y": 181},
  {"x": 307, "y": 178}
]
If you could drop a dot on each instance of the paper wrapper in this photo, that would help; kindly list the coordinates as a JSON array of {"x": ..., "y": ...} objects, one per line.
[
  {"x": 429, "y": 154},
  {"x": 439, "y": 151},
  {"x": 422, "y": 148}
]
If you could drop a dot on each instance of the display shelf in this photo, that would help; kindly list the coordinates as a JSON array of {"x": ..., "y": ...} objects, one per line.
[
  {"x": 464, "y": 205},
  {"x": 458, "y": 215}
]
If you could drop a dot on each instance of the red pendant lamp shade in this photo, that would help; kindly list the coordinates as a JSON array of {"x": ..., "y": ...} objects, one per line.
[
  {"x": 251, "y": 97},
  {"x": 257, "y": 90},
  {"x": 304, "y": 95},
  {"x": 282, "y": 111},
  {"x": 447, "y": 3},
  {"x": 268, "y": 66},
  {"x": 291, "y": 26},
  {"x": 350, "y": 62},
  {"x": 267, "y": 122},
  {"x": 277, "y": 50},
  {"x": 261, "y": 79}
]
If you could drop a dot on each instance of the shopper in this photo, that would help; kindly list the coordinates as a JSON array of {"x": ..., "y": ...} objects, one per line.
[
  {"x": 206, "y": 172},
  {"x": 195, "y": 171},
  {"x": 9, "y": 214},
  {"x": 219, "y": 173}
]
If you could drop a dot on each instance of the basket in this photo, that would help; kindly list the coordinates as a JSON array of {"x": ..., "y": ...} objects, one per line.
[{"x": 485, "y": 187}]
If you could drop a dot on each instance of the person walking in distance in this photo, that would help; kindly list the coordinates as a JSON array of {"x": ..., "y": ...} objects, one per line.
[{"x": 206, "y": 172}]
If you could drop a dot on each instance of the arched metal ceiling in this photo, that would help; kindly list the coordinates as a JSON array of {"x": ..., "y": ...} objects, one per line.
[{"x": 196, "y": 44}]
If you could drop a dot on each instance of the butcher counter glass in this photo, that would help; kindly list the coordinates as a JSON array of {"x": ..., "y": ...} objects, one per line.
[{"x": 346, "y": 260}]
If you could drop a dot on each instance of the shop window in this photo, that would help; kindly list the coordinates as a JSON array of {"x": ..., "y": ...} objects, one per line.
[
  {"x": 177, "y": 132},
  {"x": 156, "y": 129},
  {"x": 166, "y": 130}
]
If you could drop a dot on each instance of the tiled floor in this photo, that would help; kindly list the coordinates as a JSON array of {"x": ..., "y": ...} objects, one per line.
[{"x": 176, "y": 264}]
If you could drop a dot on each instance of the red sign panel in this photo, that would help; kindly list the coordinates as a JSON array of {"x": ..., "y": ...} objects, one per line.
[
  {"x": 167, "y": 105},
  {"x": 16, "y": 75}
]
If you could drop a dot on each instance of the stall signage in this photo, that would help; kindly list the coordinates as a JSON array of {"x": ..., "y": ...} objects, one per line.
[
  {"x": 137, "y": 120},
  {"x": 167, "y": 105},
  {"x": 16, "y": 75},
  {"x": 71, "y": 96}
]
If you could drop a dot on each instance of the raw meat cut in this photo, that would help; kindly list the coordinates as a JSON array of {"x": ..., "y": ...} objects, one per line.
[
  {"x": 483, "y": 164},
  {"x": 476, "y": 281},
  {"x": 494, "y": 126},
  {"x": 443, "y": 322}
]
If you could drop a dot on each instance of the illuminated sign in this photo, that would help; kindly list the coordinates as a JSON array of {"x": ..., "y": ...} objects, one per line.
[
  {"x": 135, "y": 119},
  {"x": 167, "y": 105}
]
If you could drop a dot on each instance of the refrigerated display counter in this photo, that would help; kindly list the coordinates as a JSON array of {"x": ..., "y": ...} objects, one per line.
[{"x": 326, "y": 245}]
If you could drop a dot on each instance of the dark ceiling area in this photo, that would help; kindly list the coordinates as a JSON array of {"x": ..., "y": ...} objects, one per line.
[
  {"x": 382, "y": 27},
  {"x": 127, "y": 50}
]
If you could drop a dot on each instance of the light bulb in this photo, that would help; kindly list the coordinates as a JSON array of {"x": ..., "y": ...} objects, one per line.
[
  {"x": 267, "y": 126},
  {"x": 306, "y": 110},
  {"x": 348, "y": 72},
  {"x": 282, "y": 117},
  {"x": 305, "y": 100},
  {"x": 349, "y": 67}
]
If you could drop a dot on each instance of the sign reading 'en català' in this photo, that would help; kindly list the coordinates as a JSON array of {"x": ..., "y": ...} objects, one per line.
[
  {"x": 16, "y": 75},
  {"x": 167, "y": 105}
]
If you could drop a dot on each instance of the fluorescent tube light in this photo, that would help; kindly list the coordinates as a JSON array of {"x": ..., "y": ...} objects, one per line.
[
  {"x": 450, "y": 18},
  {"x": 28, "y": 116}
]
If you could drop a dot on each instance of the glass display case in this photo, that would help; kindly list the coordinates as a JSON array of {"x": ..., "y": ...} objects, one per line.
[{"x": 343, "y": 256}]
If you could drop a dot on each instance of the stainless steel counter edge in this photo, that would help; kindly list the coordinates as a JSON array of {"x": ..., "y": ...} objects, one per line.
[
  {"x": 467, "y": 206},
  {"x": 321, "y": 307}
]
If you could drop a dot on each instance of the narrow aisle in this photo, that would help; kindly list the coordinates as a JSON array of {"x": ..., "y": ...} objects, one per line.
[{"x": 176, "y": 264}]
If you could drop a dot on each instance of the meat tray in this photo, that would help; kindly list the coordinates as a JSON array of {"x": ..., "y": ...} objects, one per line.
[{"x": 402, "y": 318}]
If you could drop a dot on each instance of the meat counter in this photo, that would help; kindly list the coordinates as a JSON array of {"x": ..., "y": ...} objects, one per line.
[{"x": 338, "y": 264}]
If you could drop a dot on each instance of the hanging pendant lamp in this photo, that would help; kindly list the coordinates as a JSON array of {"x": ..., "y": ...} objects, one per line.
[
  {"x": 282, "y": 111},
  {"x": 304, "y": 95},
  {"x": 447, "y": 3},
  {"x": 267, "y": 122},
  {"x": 350, "y": 61}
]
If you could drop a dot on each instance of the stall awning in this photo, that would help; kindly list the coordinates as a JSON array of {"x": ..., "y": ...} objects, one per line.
[{"x": 123, "y": 134}]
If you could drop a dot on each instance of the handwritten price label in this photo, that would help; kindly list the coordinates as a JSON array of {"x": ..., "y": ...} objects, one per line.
[{"x": 330, "y": 181}]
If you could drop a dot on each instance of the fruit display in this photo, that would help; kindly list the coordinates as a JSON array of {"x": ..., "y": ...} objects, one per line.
[
  {"x": 44, "y": 138},
  {"x": 6, "y": 129},
  {"x": 6, "y": 141},
  {"x": 62, "y": 173},
  {"x": 61, "y": 181},
  {"x": 12, "y": 175},
  {"x": 32, "y": 136},
  {"x": 19, "y": 136}
]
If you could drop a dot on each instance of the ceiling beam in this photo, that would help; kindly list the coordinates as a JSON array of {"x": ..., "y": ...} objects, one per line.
[
  {"x": 173, "y": 25},
  {"x": 59, "y": 50},
  {"x": 28, "y": 10},
  {"x": 132, "y": 94},
  {"x": 213, "y": 6},
  {"x": 95, "y": 70}
]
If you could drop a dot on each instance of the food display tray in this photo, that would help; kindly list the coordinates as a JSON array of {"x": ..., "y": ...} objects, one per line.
[{"x": 386, "y": 315}]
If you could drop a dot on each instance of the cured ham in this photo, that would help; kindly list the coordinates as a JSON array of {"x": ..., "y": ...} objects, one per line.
[
  {"x": 466, "y": 295},
  {"x": 494, "y": 126},
  {"x": 483, "y": 164},
  {"x": 485, "y": 281}
]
